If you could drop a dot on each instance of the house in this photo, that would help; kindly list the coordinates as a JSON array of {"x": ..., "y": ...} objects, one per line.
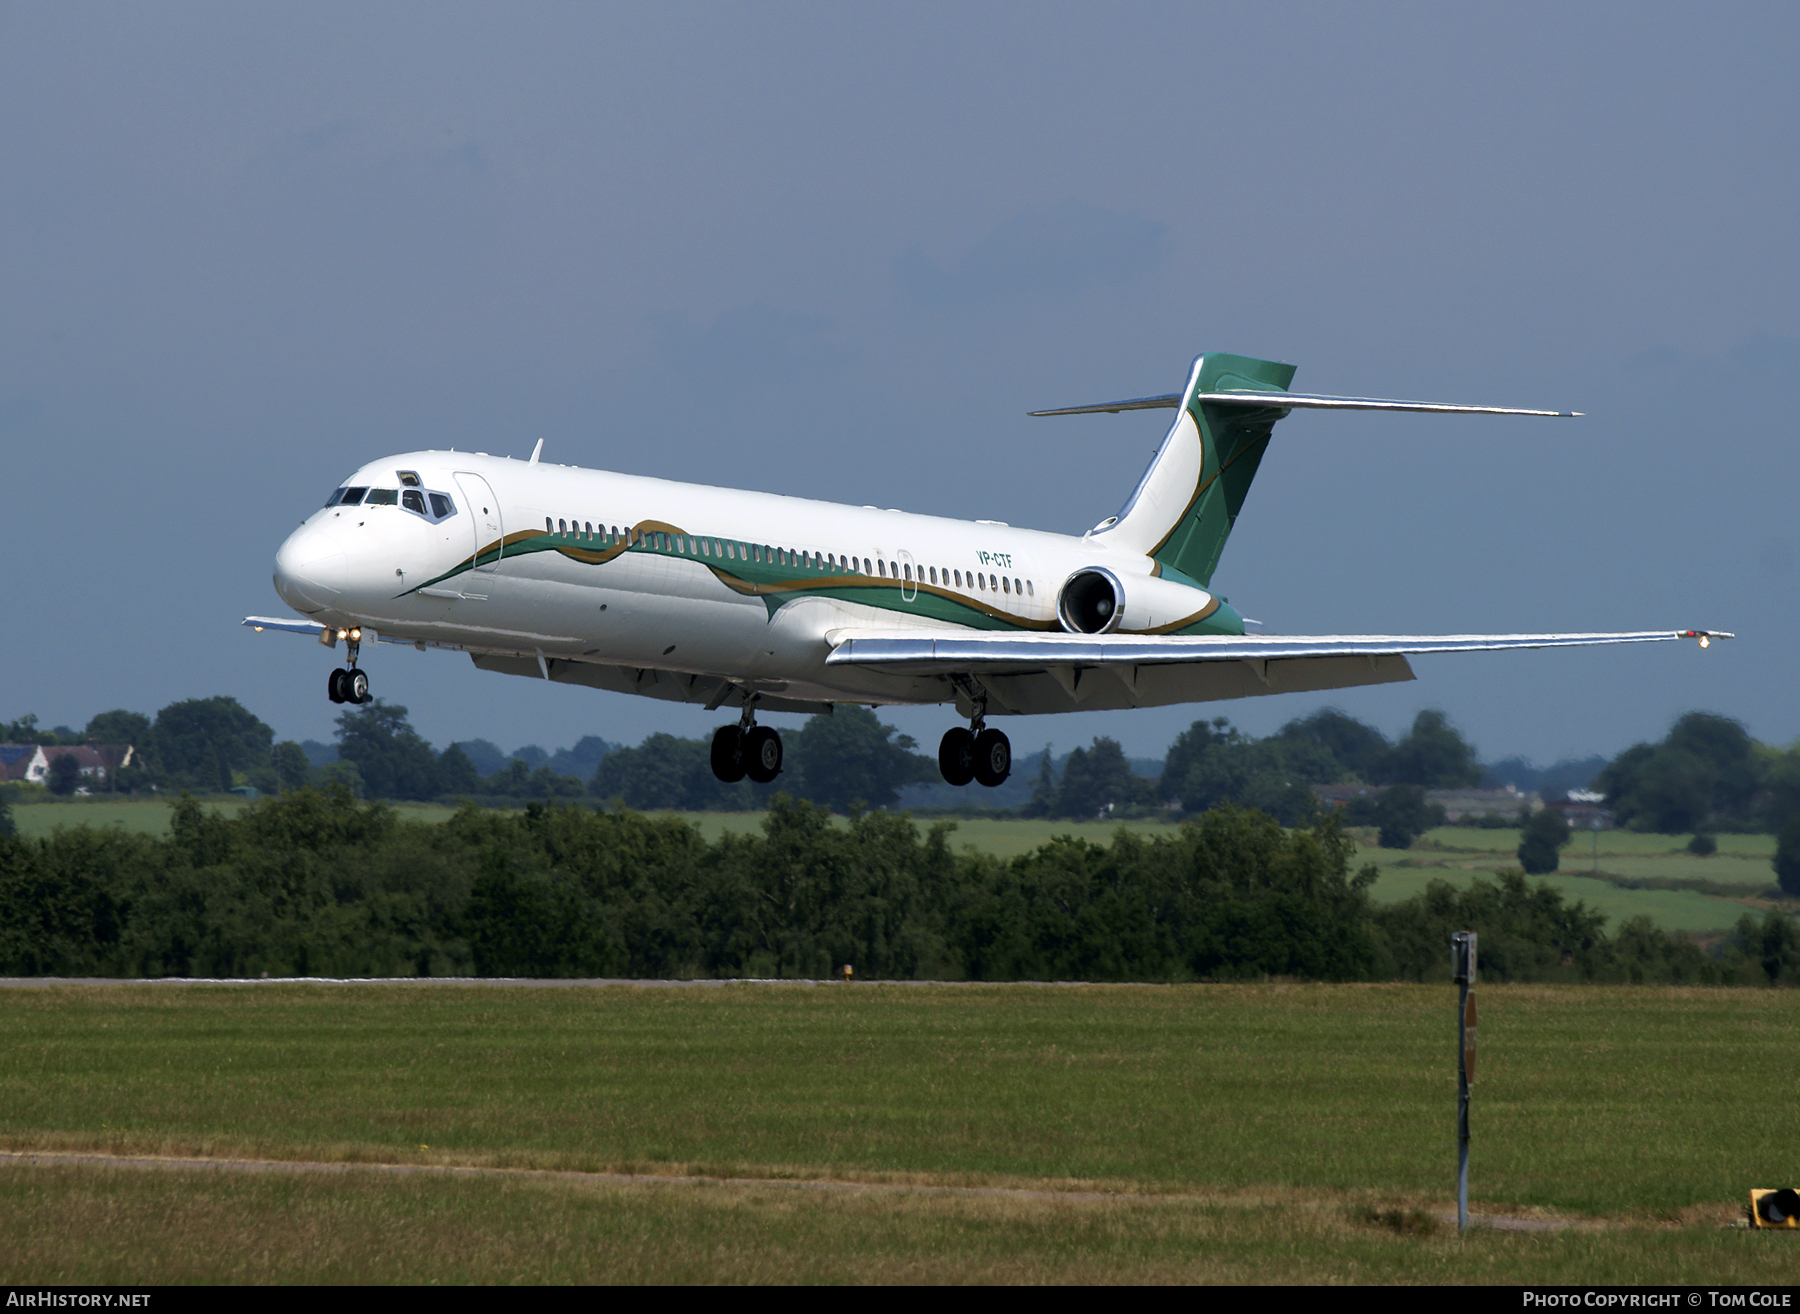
[
  {"x": 31, "y": 762},
  {"x": 1457, "y": 803}
]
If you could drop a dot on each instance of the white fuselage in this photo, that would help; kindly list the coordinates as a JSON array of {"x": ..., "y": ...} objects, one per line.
[{"x": 490, "y": 578}]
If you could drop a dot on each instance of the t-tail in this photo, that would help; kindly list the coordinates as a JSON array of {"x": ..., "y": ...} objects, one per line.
[{"x": 1185, "y": 505}]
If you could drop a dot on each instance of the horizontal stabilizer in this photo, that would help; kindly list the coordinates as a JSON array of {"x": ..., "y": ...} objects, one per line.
[{"x": 1293, "y": 401}]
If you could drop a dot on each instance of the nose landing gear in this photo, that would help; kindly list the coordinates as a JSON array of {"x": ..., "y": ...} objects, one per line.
[
  {"x": 746, "y": 749},
  {"x": 347, "y": 684},
  {"x": 977, "y": 753}
]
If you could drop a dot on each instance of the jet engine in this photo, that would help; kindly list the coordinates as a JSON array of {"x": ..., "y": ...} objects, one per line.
[{"x": 1095, "y": 601}]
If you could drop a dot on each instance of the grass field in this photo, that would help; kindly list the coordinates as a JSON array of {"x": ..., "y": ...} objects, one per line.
[
  {"x": 1264, "y": 1132},
  {"x": 1684, "y": 893}
]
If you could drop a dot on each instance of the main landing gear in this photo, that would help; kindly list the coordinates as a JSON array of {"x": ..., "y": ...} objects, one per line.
[
  {"x": 977, "y": 753},
  {"x": 746, "y": 749},
  {"x": 347, "y": 684}
]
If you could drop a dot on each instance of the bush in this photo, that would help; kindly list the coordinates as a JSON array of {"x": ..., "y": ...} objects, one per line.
[
  {"x": 1403, "y": 815},
  {"x": 1544, "y": 836},
  {"x": 1703, "y": 845},
  {"x": 1787, "y": 859}
]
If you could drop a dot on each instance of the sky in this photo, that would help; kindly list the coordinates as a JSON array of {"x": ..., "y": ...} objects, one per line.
[{"x": 839, "y": 251}]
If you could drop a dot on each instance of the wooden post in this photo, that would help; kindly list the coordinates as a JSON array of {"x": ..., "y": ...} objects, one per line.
[{"x": 1462, "y": 948}]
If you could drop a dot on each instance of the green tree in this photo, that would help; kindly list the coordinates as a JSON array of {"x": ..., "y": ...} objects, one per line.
[
  {"x": 65, "y": 773},
  {"x": 662, "y": 772},
  {"x": 1211, "y": 764},
  {"x": 200, "y": 742},
  {"x": 1043, "y": 789},
  {"x": 394, "y": 761},
  {"x": 1433, "y": 756},
  {"x": 456, "y": 774},
  {"x": 290, "y": 766},
  {"x": 7, "y": 828},
  {"x": 1707, "y": 765},
  {"x": 1097, "y": 780},
  {"x": 1542, "y": 840},
  {"x": 1404, "y": 814},
  {"x": 852, "y": 758},
  {"x": 1787, "y": 859},
  {"x": 119, "y": 727},
  {"x": 24, "y": 731},
  {"x": 1351, "y": 750}
]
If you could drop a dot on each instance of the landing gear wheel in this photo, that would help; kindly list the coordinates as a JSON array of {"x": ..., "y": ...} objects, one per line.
[
  {"x": 956, "y": 756},
  {"x": 762, "y": 754},
  {"x": 728, "y": 754},
  {"x": 334, "y": 687},
  {"x": 993, "y": 758},
  {"x": 356, "y": 687}
]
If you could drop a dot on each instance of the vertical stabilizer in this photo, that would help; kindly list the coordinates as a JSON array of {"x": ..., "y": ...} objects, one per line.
[{"x": 1189, "y": 498}]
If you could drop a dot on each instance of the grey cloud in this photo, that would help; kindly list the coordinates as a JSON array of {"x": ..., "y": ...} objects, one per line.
[{"x": 1057, "y": 252}]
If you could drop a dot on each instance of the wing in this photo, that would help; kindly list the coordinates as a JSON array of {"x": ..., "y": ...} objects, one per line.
[{"x": 1039, "y": 673}]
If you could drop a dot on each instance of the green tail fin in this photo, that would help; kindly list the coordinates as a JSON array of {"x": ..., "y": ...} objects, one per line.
[{"x": 1188, "y": 500}]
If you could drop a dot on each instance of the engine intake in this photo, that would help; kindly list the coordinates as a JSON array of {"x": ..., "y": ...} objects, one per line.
[{"x": 1091, "y": 602}]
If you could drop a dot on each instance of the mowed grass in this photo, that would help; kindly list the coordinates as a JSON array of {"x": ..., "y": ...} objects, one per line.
[
  {"x": 132, "y": 1227},
  {"x": 1595, "y": 1100},
  {"x": 1249, "y": 1133}
]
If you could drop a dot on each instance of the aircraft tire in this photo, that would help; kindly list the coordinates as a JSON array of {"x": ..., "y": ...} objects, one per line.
[
  {"x": 956, "y": 756},
  {"x": 356, "y": 688},
  {"x": 728, "y": 754},
  {"x": 762, "y": 754},
  {"x": 334, "y": 687},
  {"x": 993, "y": 758}
]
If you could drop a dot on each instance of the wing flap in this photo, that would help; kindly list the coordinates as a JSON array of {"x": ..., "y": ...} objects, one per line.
[{"x": 963, "y": 651}]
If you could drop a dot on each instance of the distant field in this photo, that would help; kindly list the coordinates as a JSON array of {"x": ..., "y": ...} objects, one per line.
[
  {"x": 1274, "y": 1132},
  {"x": 151, "y": 816}
]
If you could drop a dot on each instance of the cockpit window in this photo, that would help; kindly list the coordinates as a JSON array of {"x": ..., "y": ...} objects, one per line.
[
  {"x": 352, "y": 496},
  {"x": 409, "y": 478},
  {"x": 413, "y": 500},
  {"x": 382, "y": 497},
  {"x": 441, "y": 506}
]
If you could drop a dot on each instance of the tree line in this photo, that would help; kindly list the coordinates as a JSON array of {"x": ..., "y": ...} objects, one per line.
[
  {"x": 318, "y": 883},
  {"x": 1707, "y": 775}
]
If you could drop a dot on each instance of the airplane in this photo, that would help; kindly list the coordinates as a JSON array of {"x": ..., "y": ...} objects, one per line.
[{"x": 760, "y": 602}]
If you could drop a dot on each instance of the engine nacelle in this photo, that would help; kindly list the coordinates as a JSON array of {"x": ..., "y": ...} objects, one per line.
[{"x": 1096, "y": 601}]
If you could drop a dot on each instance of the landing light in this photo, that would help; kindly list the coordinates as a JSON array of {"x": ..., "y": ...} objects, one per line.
[
  {"x": 355, "y": 636},
  {"x": 343, "y": 634},
  {"x": 1706, "y": 640}
]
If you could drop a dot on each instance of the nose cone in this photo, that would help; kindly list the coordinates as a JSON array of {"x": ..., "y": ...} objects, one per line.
[{"x": 310, "y": 570}]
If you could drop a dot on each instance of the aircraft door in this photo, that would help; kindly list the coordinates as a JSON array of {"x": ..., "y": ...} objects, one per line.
[
  {"x": 484, "y": 515},
  {"x": 909, "y": 576}
]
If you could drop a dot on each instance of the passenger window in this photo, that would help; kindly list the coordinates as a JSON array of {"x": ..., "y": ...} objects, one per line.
[
  {"x": 1004, "y": 586},
  {"x": 409, "y": 478},
  {"x": 441, "y": 506},
  {"x": 382, "y": 497},
  {"x": 1030, "y": 592},
  {"x": 907, "y": 568},
  {"x": 1017, "y": 587},
  {"x": 562, "y": 526},
  {"x": 352, "y": 496},
  {"x": 413, "y": 500}
]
